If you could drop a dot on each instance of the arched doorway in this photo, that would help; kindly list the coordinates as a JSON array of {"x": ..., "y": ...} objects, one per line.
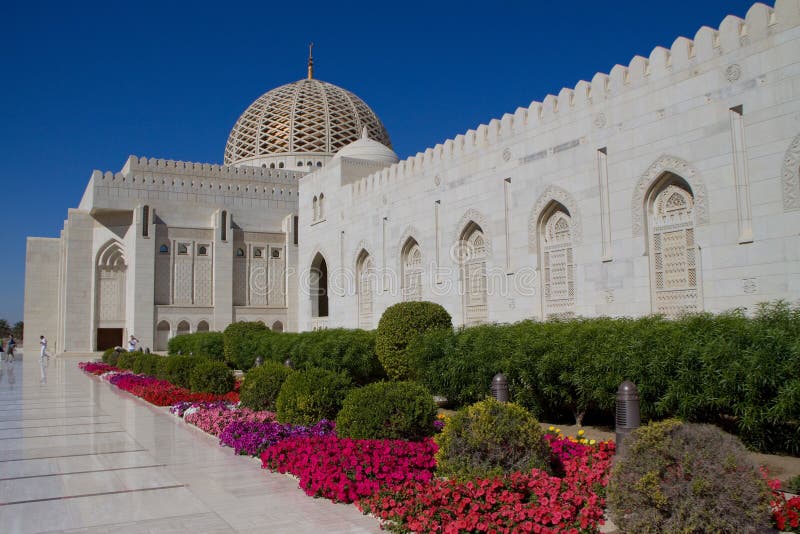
[
  {"x": 365, "y": 286},
  {"x": 277, "y": 326},
  {"x": 202, "y": 326},
  {"x": 162, "y": 335},
  {"x": 674, "y": 275},
  {"x": 183, "y": 328},
  {"x": 472, "y": 255},
  {"x": 557, "y": 264},
  {"x": 110, "y": 295},
  {"x": 318, "y": 289},
  {"x": 411, "y": 263}
]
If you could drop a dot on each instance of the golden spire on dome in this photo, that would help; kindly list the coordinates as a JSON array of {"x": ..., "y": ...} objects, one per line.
[{"x": 310, "y": 62}]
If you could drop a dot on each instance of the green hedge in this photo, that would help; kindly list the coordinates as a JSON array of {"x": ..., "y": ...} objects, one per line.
[
  {"x": 308, "y": 396},
  {"x": 211, "y": 377},
  {"x": 738, "y": 372},
  {"x": 261, "y": 385},
  {"x": 178, "y": 369},
  {"x": 241, "y": 342},
  {"x": 206, "y": 344}
]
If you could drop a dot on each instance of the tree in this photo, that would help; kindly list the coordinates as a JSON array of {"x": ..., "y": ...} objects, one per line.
[
  {"x": 5, "y": 329},
  {"x": 18, "y": 330}
]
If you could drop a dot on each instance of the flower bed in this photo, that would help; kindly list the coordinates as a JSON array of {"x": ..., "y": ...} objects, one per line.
[
  {"x": 213, "y": 418},
  {"x": 521, "y": 502},
  {"x": 345, "y": 470},
  {"x": 96, "y": 368},
  {"x": 251, "y": 438}
]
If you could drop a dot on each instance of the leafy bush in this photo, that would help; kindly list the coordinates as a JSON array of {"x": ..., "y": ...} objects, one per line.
[
  {"x": 207, "y": 344},
  {"x": 110, "y": 356},
  {"x": 387, "y": 410},
  {"x": 241, "y": 340},
  {"x": 178, "y": 369},
  {"x": 211, "y": 377},
  {"x": 146, "y": 364},
  {"x": 683, "y": 477},
  {"x": 127, "y": 360},
  {"x": 309, "y": 396},
  {"x": 261, "y": 385},
  {"x": 398, "y": 326},
  {"x": 491, "y": 438},
  {"x": 793, "y": 485}
]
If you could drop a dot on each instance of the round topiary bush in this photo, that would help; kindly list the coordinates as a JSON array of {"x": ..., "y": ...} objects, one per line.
[
  {"x": 241, "y": 342},
  {"x": 261, "y": 385},
  {"x": 400, "y": 324},
  {"x": 110, "y": 356},
  {"x": 178, "y": 369},
  {"x": 211, "y": 376},
  {"x": 491, "y": 438},
  {"x": 682, "y": 477},
  {"x": 309, "y": 396},
  {"x": 146, "y": 364},
  {"x": 387, "y": 410}
]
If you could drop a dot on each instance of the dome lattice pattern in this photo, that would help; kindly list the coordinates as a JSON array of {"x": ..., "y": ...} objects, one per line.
[{"x": 305, "y": 117}]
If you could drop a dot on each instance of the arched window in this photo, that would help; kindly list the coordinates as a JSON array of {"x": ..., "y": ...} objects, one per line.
[
  {"x": 319, "y": 164},
  {"x": 319, "y": 286},
  {"x": 315, "y": 209},
  {"x": 202, "y": 251},
  {"x": 472, "y": 255},
  {"x": 277, "y": 326},
  {"x": 240, "y": 253},
  {"x": 280, "y": 165},
  {"x": 675, "y": 277},
  {"x": 162, "y": 335},
  {"x": 202, "y": 326},
  {"x": 411, "y": 264},
  {"x": 557, "y": 264},
  {"x": 321, "y": 214},
  {"x": 163, "y": 249},
  {"x": 299, "y": 163},
  {"x": 365, "y": 286},
  {"x": 258, "y": 252},
  {"x": 183, "y": 328},
  {"x": 271, "y": 165},
  {"x": 183, "y": 248}
]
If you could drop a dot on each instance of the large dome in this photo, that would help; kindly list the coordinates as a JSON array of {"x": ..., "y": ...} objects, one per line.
[{"x": 300, "y": 125}]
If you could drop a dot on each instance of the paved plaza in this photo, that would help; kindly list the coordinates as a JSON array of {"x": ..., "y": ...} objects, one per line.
[{"x": 78, "y": 455}]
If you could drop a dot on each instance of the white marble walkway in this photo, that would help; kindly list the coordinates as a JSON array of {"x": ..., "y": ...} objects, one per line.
[{"x": 78, "y": 455}]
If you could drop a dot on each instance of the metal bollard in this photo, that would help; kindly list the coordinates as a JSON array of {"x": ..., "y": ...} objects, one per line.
[
  {"x": 500, "y": 387},
  {"x": 288, "y": 363},
  {"x": 259, "y": 361},
  {"x": 627, "y": 417},
  {"x": 147, "y": 350}
]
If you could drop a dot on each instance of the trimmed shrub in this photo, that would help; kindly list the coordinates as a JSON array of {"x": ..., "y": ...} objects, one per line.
[
  {"x": 206, "y": 344},
  {"x": 127, "y": 360},
  {"x": 146, "y": 364},
  {"x": 261, "y": 385},
  {"x": 387, "y": 410},
  {"x": 241, "y": 342},
  {"x": 210, "y": 376},
  {"x": 110, "y": 356},
  {"x": 491, "y": 438},
  {"x": 178, "y": 369},
  {"x": 400, "y": 324},
  {"x": 309, "y": 396},
  {"x": 683, "y": 477}
]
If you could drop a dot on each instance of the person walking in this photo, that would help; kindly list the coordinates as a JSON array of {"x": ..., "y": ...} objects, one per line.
[
  {"x": 43, "y": 347},
  {"x": 10, "y": 346},
  {"x": 132, "y": 344}
]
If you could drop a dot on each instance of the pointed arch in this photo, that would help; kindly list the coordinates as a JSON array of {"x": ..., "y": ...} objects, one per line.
[
  {"x": 112, "y": 255},
  {"x": 553, "y": 193},
  {"x": 110, "y": 287},
  {"x": 472, "y": 216},
  {"x": 472, "y": 253},
  {"x": 411, "y": 269},
  {"x": 555, "y": 229},
  {"x": 365, "y": 288},
  {"x": 318, "y": 286},
  {"x": 676, "y": 166},
  {"x": 790, "y": 176}
]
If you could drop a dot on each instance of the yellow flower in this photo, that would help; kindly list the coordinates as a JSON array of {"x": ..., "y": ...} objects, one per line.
[
  {"x": 581, "y": 432},
  {"x": 558, "y": 431},
  {"x": 592, "y": 442},
  {"x": 551, "y": 428},
  {"x": 583, "y": 441}
]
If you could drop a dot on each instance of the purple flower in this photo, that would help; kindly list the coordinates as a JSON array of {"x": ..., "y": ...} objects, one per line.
[{"x": 253, "y": 437}]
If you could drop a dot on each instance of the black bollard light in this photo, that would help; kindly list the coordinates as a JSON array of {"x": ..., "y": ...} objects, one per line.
[
  {"x": 628, "y": 417},
  {"x": 288, "y": 363},
  {"x": 500, "y": 387},
  {"x": 147, "y": 350},
  {"x": 259, "y": 361}
]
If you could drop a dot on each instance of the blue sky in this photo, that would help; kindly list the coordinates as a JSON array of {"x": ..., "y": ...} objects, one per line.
[{"x": 86, "y": 84}]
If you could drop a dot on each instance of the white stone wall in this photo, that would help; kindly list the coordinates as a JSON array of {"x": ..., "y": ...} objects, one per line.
[{"x": 721, "y": 111}]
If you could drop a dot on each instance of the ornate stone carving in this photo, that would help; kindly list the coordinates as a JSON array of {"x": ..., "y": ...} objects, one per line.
[
  {"x": 506, "y": 154},
  {"x": 676, "y": 166},
  {"x": 409, "y": 231},
  {"x": 472, "y": 215},
  {"x": 733, "y": 72},
  {"x": 362, "y": 245},
  {"x": 790, "y": 175},
  {"x": 563, "y": 197},
  {"x": 600, "y": 120}
]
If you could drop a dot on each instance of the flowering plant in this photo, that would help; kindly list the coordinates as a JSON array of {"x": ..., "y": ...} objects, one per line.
[
  {"x": 252, "y": 437},
  {"x": 96, "y": 368},
  {"x": 182, "y": 408},
  {"x": 531, "y": 501},
  {"x": 344, "y": 470},
  {"x": 213, "y": 418}
]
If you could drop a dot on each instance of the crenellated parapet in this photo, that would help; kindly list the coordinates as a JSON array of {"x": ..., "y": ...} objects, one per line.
[
  {"x": 164, "y": 167},
  {"x": 708, "y": 44}
]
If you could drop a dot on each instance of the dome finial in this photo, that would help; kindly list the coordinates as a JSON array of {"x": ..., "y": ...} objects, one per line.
[
  {"x": 310, "y": 62},
  {"x": 364, "y": 133}
]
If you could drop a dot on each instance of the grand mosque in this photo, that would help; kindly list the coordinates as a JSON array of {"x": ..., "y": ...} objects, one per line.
[{"x": 670, "y": 185}]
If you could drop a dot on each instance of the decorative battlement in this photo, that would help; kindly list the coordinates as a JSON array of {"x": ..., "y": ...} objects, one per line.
[
  {"x": 734, "y": 33},
  {"x": 136, "y": 166},
  {"x": 215, "y": 182}
]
